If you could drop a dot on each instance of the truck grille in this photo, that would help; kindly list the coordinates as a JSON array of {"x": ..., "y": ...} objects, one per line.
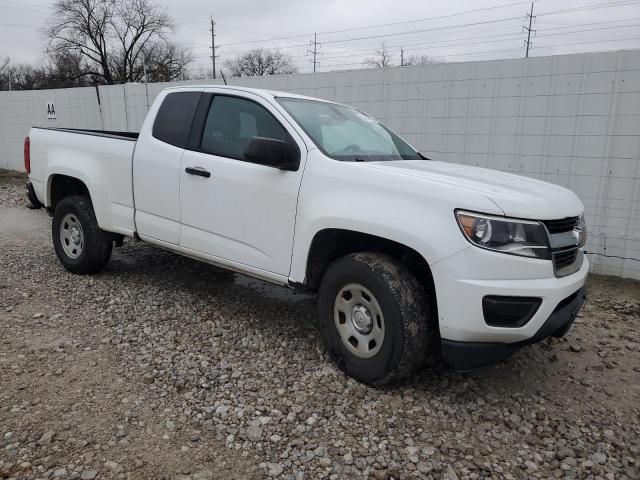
[{"x": 561, "y": 226}]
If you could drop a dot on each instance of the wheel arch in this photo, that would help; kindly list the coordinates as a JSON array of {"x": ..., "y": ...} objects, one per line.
[
  {"x": 332, "y": 243},
  {"x": 60, "y": 186}
]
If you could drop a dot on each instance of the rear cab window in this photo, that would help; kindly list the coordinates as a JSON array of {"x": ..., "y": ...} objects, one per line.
[{"x": 174, "y": 118}]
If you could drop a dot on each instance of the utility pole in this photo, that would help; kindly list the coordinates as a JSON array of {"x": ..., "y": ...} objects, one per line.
[
  {"x": 213, "y": 47},
  {"x": 9, "y": 73},
  {"x": 314, "y": 44},
  {"x": 527, "y": 42},
  {"x": 401, "y": 57}
]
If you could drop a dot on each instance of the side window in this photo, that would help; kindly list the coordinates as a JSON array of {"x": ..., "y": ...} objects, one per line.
[
  {"x": 173, "y": 121},
  {"x": 232, "y": 122}
]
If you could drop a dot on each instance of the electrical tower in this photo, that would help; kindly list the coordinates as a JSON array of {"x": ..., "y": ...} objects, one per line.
[
  {"x": 213, "y": 47},
  {"x": 401, "y": 57},
  {"x": 527, "y": 42},
  {"x": 314, "y": 44}
]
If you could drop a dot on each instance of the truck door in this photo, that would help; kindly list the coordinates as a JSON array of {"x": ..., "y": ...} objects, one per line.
[
  {"x": 230, "y": 208},
  {"x": 156, "y": 167}
]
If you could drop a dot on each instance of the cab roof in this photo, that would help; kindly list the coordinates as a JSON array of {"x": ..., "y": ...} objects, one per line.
[{"x": 258, "y": 91}]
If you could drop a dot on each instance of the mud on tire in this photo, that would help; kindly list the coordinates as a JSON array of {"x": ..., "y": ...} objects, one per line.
[{"x": 410, "y": 332}]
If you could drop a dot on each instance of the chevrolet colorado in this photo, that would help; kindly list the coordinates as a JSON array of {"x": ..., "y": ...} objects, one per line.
[{"x": 408, "y": 256}]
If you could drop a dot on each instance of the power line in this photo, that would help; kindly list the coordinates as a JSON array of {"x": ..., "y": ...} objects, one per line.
[
  {"x": 18, "y": 25},
  {"x": 507, "y": 37},
  {"x": 587, "y": 43},
  {"x": 427, "y": 30},
  {"x": 627, "y": 2},
  {"x": 384, "y": 24},
  {"x": 486, "y": 22},
  {"x": 623, "y": 3},
  {"x": 506, "y": 50},
  {"x": 433, "y": 29},
  {"x": 510, "y": 36},
  {"x": 582, "y": 8},
  {"x": 225, "y": 25}
]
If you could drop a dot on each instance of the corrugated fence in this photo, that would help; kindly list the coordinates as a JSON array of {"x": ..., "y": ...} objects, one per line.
[{"x": 573, "y": 120}]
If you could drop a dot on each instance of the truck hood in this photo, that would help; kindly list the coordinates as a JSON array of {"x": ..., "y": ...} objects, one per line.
[{"x": 515, "y": 195}]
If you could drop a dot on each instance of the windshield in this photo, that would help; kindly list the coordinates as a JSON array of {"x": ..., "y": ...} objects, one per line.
[{"x": 344, "y": 133}]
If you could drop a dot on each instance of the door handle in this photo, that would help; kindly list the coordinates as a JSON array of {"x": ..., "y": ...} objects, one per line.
[{"x": 199, "y": 171}]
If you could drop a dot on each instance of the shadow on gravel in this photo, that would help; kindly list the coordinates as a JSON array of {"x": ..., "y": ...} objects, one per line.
[{"x": 166, "y": 268}]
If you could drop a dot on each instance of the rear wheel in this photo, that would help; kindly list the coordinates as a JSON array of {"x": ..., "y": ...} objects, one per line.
[
  {"x": 375, "y": 318},
  {"x": 81, "y": 246}
]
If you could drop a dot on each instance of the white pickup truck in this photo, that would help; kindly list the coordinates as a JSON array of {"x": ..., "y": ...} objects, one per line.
[{"x": 408, "y": 256}]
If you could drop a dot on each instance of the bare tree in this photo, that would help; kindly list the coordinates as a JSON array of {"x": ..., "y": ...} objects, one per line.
[
  {"x": 24, "y": 77},
  {"x": 4, "y": 63},
  {"x": 382, "y": 58},
  {"x": 66, "y": 70},
  {"x": 418, "y": 60},
  {"x": 165, "y": 61},
  {"x": 84, "y": 27},
  {"x": 200, "y": 73},
  {"x": 111, "y": 36},
  {"x": 259, "y": 62},
  {"x": 137, "y": 24}
]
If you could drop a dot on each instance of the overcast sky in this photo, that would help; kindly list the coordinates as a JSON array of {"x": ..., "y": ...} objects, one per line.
[{"x": 351, "y": 30}]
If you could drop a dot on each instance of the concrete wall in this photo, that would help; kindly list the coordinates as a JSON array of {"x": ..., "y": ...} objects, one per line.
[{"x": 573, "y": 120}]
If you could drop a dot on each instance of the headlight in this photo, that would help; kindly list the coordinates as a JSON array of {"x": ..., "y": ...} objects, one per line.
[{"x": 506, "y": 235}]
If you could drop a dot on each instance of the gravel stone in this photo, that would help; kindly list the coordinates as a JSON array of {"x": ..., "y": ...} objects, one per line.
[
  {"x": 599, "y": 457},
  {"x": 274, "y": 469},
  {"x": 46, "y": 438},
  {"x": 88, "y": 474}
]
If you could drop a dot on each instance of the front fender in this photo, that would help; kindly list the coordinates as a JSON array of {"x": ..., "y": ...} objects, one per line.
[{"x": 350, "y": 196}]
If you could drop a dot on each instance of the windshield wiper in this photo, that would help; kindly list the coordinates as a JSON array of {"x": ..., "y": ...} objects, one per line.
[{"x": 354, "y": 159}]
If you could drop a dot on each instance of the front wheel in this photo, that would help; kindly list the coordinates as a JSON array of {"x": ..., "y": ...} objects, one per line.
[
  {"x": 81, "y": 246},
  {"x": 375, "y": 318}
]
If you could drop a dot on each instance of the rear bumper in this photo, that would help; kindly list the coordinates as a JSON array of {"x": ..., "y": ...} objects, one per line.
[{"x": 463, "y": 355}]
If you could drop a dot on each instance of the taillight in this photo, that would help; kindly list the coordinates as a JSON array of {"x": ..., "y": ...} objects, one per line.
[{"x": 27, "y": 154}]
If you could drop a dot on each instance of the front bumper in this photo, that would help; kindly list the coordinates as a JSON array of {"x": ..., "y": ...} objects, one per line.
[
  {"x": 462, "y": 282},
  {"x": 470, "y": 355}
]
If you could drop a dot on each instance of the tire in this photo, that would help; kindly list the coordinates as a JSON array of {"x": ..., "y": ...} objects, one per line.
[
  {"x": 92, "y": 252},
  {"x": 406, "y": 320}
]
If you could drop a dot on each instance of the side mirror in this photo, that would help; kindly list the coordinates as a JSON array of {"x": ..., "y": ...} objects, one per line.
[{"x": 273, "y": 152}]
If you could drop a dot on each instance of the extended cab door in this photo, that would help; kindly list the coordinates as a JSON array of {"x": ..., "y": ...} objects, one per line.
[
  {"x": 156, "y": 166},
  {"x": 230, "y": 208}
]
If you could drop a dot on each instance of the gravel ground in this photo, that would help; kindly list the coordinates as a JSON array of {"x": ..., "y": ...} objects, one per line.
[{"x": 162, "y": 367}]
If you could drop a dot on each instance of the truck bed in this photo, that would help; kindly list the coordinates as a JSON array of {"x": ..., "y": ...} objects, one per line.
[{"x": 102, "y": 160}]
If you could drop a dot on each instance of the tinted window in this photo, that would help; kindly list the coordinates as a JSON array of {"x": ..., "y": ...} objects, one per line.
[
  {"x": 174, "y": 118},
  {"x": 233, "y": 121}
]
